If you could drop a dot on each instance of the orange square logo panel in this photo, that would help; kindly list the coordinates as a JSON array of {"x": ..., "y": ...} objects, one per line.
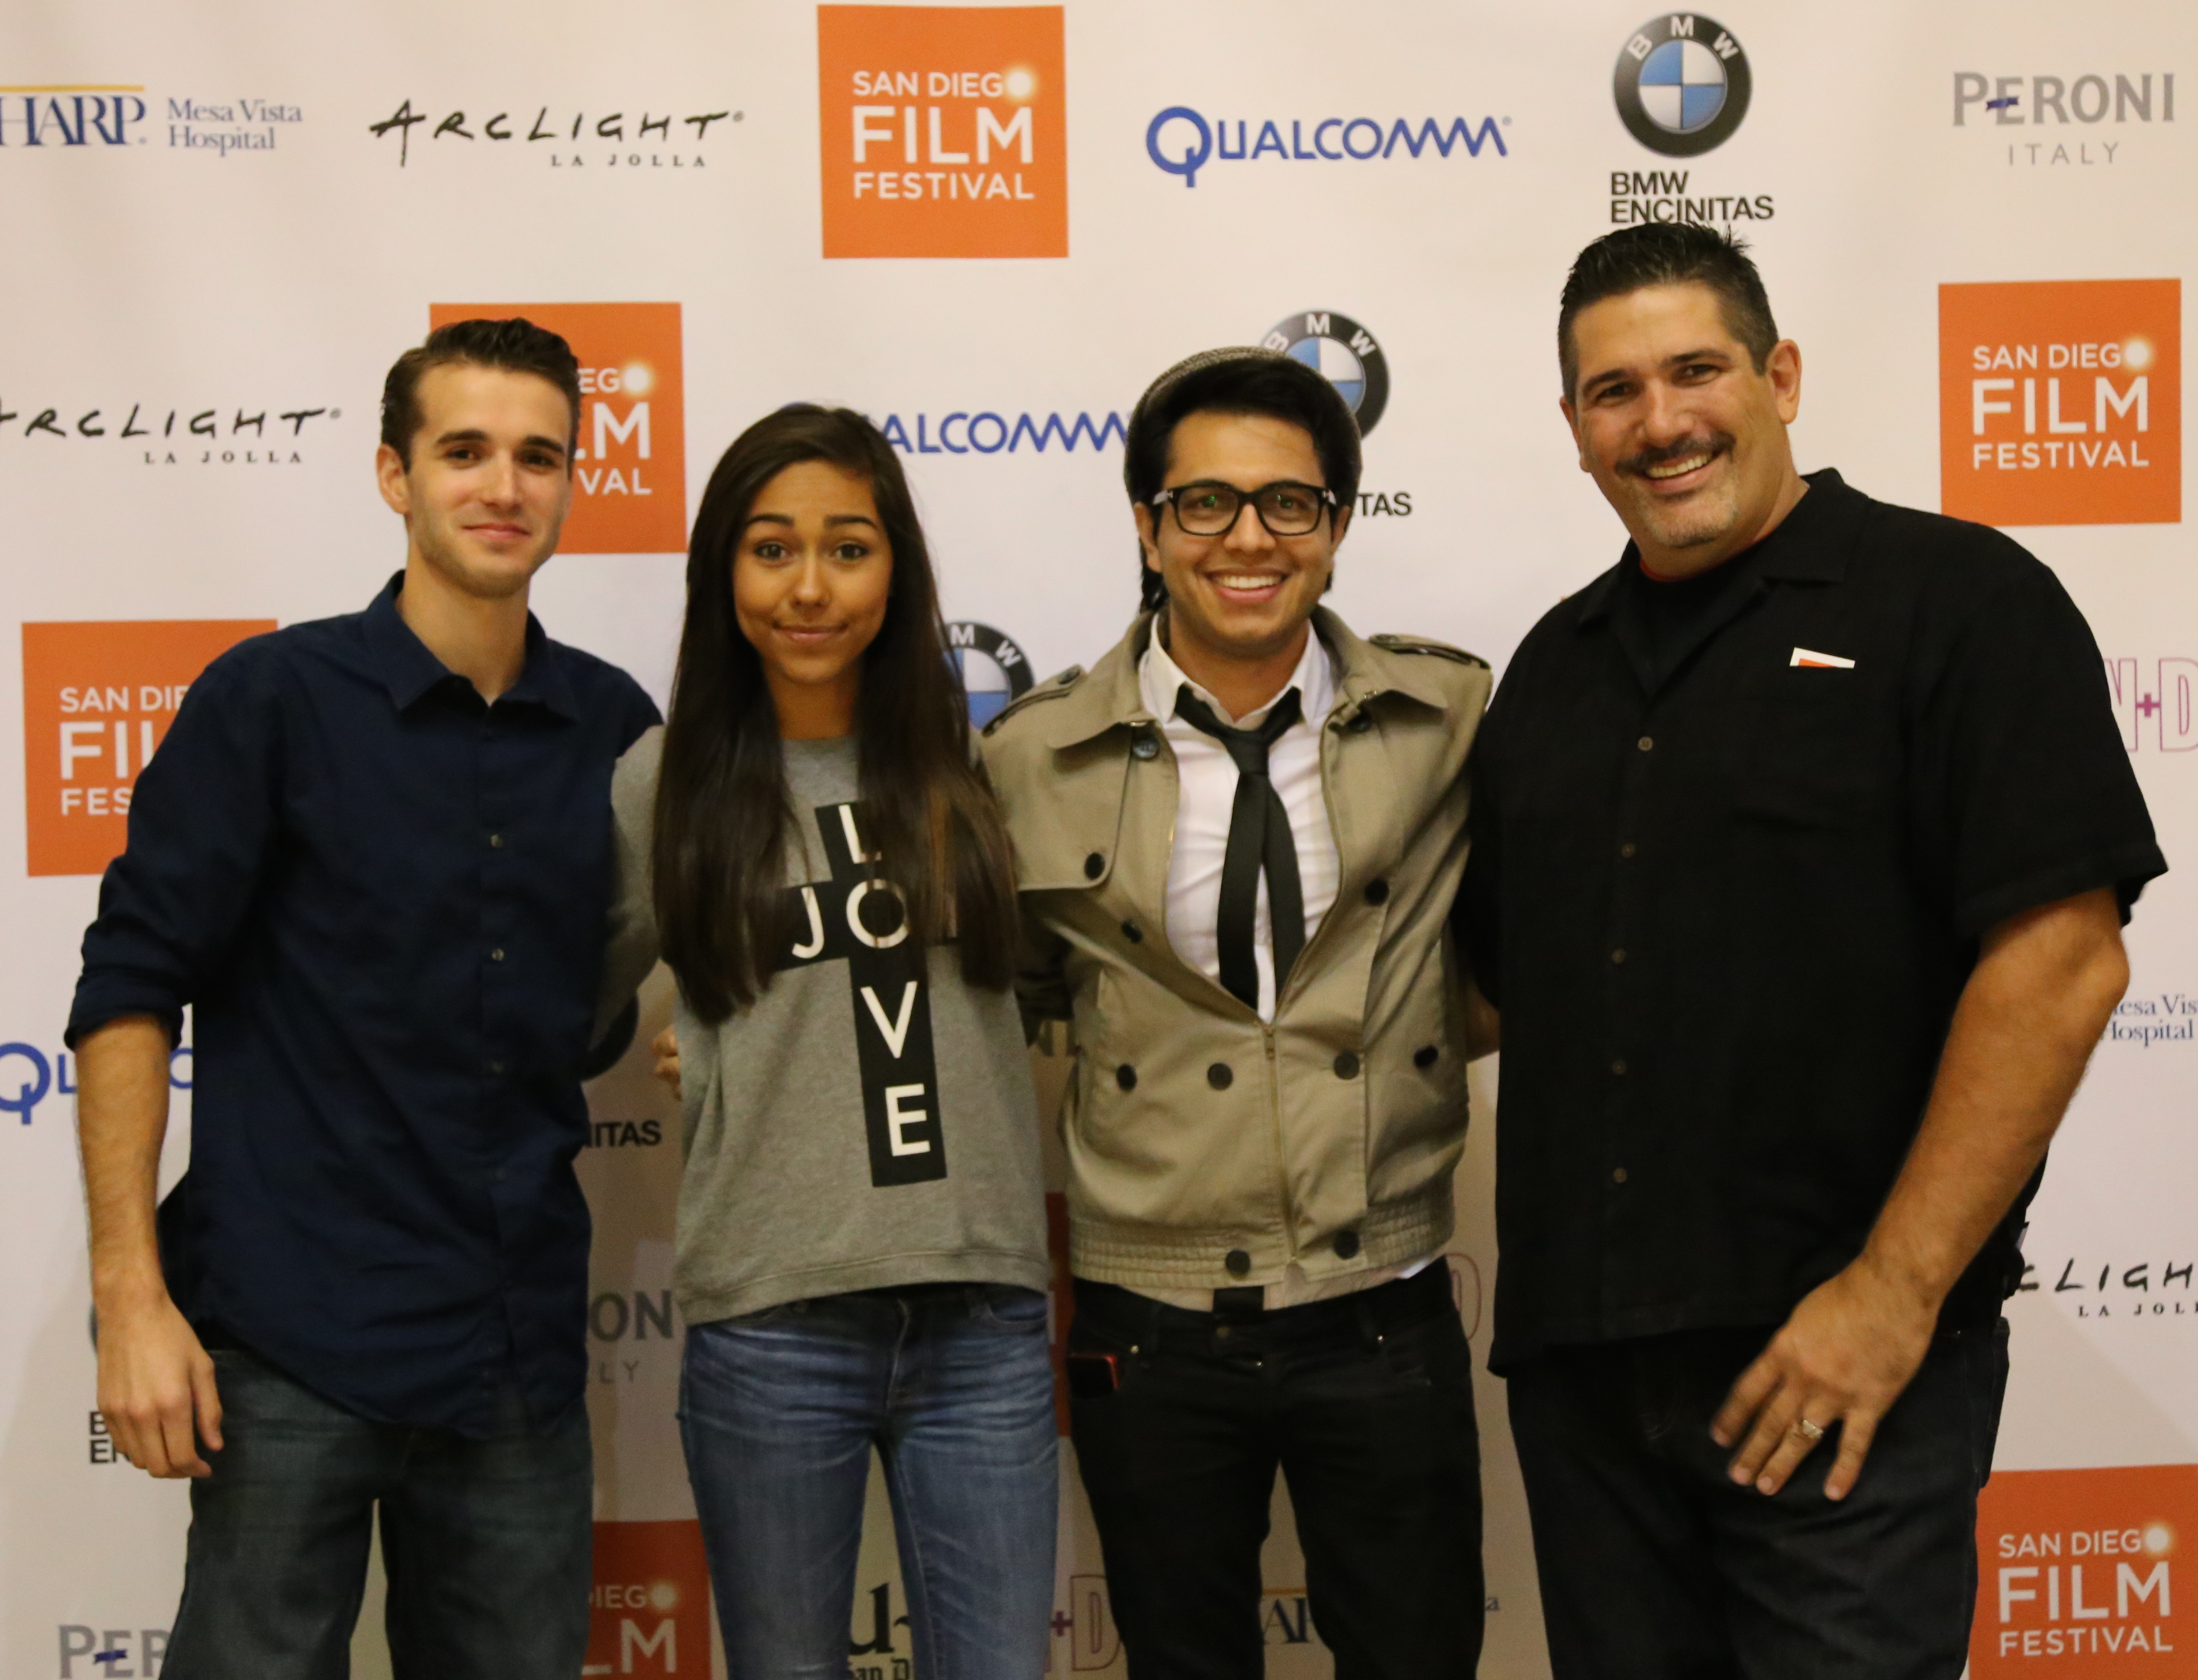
[
  {"x": 2061, "y": 402},
  {"x": 629, "y": 468},
  {"x": 945, "y": 130},
  {"x": 2080, "y": 1574},
  {"x": 97, "y": 702},
  {"x": 649, "y": 1609}
]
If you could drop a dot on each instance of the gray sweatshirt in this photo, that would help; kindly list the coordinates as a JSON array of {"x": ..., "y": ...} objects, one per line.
[{"x": 869, "y": 1120}]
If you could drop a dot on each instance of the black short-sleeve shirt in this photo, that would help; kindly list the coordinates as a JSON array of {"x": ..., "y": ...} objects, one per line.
[{"x": 1733, "y": 850}]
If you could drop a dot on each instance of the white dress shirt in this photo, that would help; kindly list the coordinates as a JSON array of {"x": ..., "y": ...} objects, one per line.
[{"x": 1207, "y": 799}]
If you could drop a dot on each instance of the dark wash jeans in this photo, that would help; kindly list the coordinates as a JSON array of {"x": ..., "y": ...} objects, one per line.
[
  {"x": 487, "y": 1545},
  {"x": 1654, "y": 1566},
  {"x": 1363, "y": 1402}
]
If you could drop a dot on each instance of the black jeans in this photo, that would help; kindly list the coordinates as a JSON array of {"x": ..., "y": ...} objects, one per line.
[
  {"x": 1365, "y": 1403},
  {"x": 1654, "y": 1566}
]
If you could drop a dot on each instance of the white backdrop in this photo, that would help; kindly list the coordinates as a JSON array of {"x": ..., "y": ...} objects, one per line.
[{"x": 203, "y": 224}]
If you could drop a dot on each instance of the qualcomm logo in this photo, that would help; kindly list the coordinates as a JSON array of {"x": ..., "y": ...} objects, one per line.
[
  {"x": 1682, "y": 84},
  {"x": 1342, "y": 352},
  {"x": 989, "y": 433},
  {"x": 1181, "y": 142},
  {"x": 992, "y": 671}
]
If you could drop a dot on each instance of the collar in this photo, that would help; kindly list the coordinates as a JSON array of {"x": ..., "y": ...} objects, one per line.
[
  {"x": 409, "y": 671},
  {"x": 1110, "y": 695},
  {"x": 1161, "y": 682},
  {"x": 1810, "y": 545}
]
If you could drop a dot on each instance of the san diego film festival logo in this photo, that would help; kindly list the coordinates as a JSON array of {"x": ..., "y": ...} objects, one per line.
[
  {"x": 66, "y": 116},
  {"x": 649, "y": 1603},
  {"x": 98, "y": 700},
  {"x": 630, "y": 468},
  {"x": 944, "y": 130},
  {"x": 2081, "y": 1565},
  {"x": 2060, "y": 402}
]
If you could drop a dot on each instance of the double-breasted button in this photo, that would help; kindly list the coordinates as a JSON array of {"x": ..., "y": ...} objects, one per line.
[
  {"x": 1133, "y": 933},
  {"x": 1346, "y": 1245},
  {"x": 1238, "y": 1262},
  {"x": 1126, "y": 1076},
  {"x": 1346, "y": 1065},
  {"x": 1219, "y": 1077},
  {"x": 1094, "y": 867},
  {"x": 1647, "y": 743},
  {"x": 1142, "y": 745},
  {"x": 1424, "y": 1057},
  {"x": 1377, "y": 892}
]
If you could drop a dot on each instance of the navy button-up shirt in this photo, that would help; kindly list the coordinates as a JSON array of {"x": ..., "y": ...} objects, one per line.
[{"x": 385, "y": 901}]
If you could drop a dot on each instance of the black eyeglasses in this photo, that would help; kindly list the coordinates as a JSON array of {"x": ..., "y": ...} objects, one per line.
[{"x": 1210, "y": 507}]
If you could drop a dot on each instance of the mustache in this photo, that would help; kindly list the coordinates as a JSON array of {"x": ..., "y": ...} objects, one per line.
[{"x": 1706, "y": 443}]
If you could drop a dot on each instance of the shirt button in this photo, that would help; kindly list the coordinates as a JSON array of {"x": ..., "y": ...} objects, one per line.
[
  {"x": 1626, "y": 850},
  {"x": 1618, "y": 1175},
  {"x": 1647, "y": 743},
  {"x": 1618, "y": 1068},
  {"x": 1133, "y": 933},
  {"x": 1220, "y": 1077},
  {"x": 1346, "y": 1245},
  {"x": 496, "y": 1067},
  {"x": 1619, "y": 956},
  {"x": 1094, "y": 867},
  {"x": 1377, "y": 892},
  {"x": 1126, "y": 1076},
  {"x": 1238, "y": 1262},
  {"x": 1425, "y": 1057},
  {"x": 497, "y": 956},
  {"x": 496, "y": 840},
  {"x": 1144, "y": 746},
  {"x": 1346, "y": 1065}
]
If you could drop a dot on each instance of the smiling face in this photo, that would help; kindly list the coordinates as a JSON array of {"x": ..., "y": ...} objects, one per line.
[
  {"x": 1244, "y": 597},
  {"x": 489, "y": 482},
  {"x": 812, "y": 576},
  {"x": 1684, "y": 436}
]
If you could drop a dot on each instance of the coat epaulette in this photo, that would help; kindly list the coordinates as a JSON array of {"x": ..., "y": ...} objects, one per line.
[
  {"x": 1393, "y": 644},
  {"x": 1052, "y": 688}
]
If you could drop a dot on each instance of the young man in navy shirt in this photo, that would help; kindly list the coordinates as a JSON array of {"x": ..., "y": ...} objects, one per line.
[{"x": 373, "y": 856}]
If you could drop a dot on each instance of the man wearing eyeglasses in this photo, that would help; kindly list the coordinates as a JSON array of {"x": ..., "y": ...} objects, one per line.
[{"x": 1237, "y": 837}]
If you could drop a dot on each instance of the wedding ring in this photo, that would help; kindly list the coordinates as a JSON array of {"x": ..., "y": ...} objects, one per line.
[{"x": 1811, "y": 1433}]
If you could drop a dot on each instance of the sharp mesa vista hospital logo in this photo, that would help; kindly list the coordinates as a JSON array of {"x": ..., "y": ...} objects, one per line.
[
  {"x": 2060, "y": 402},
  {"x": 629, "y": 467},
  {"x": 97, "y": 702},
  {"x": 1682, "y": 84},
  {"x": 944, "y": 131},
  {"x": 95, "y": 115},
  {"x": 2082, "y": 1564}
]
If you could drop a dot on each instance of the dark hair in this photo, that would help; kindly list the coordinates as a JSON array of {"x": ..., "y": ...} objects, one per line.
[
  {"x": 1239, "y": 380},
  {"x": 517, "y": 344},
  {"x": 1659, "y": 253},
  {"x": 722, "y": 814}
]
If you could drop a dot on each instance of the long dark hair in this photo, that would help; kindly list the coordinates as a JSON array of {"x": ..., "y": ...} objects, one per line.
[{"x": 722, "y": 812}]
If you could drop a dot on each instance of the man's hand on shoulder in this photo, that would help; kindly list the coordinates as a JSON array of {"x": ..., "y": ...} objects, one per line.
[
  {"x": 156, "y": 1389},
  {"x": 1850, "y": 1348}
]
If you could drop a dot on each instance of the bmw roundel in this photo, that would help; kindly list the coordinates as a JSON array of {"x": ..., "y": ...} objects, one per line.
[
  {"x": 992, "y": 669},
  {"x": 1682, "y": 84},
  {"x": 1342, "y": 352}
]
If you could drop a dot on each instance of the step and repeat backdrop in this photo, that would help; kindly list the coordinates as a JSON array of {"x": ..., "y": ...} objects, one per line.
[{"x": 987, "y": 227}]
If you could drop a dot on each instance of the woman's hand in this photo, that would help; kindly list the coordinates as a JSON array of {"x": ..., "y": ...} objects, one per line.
[{"x": 664, "y": 1047}]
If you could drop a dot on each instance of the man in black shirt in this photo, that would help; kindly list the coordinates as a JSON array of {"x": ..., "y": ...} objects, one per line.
[
  {"x": 1802, "y": 842},
  {"x": 374, "y": 855}
]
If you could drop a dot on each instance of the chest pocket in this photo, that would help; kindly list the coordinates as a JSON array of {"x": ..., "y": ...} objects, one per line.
[
  {"x": 1823, "y": 750},
  {"x": 1067, "y": 836}
]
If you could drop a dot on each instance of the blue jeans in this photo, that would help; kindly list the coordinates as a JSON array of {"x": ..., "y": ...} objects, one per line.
[
  {"x": 486, "y": 1544},
  {"x": 952, "y": 1383}
]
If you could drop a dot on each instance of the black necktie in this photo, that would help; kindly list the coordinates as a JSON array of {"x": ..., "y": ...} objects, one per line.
[{"x": 1258, "y": 838}]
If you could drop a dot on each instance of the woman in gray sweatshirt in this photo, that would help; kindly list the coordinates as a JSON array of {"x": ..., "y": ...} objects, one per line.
[{"x": 862, "y": 1256}]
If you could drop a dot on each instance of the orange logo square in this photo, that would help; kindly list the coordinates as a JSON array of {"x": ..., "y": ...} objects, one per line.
[
  {"x": 630, "y": 473},
  {"x": 945, "y": 130},
  {"x": 97, "y": 701},
  {"x": 650, "y": 1605},
  {"x": 2077, "y": 1573},
  {"x": 2061, "y": 402}
]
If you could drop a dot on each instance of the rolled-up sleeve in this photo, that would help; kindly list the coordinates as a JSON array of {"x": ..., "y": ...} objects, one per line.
[{"x": 202, "y": 821}]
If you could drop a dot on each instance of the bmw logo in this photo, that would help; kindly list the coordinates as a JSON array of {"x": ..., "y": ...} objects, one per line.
[
  {"x": 992, "y": 669},
  {"x": 1342, "y": 352},
  {"x": 1682, "y": 84}
]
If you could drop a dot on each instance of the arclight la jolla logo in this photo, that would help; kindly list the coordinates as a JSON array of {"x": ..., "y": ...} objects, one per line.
[{"x": 1682, "y": 84}]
